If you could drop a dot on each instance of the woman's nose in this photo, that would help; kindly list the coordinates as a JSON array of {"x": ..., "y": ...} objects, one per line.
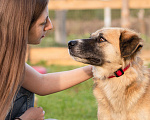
[{"x": 49, "y": 25}]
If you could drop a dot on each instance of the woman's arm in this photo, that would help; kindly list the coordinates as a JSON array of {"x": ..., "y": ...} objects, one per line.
[{"x": 44, "y": 84}]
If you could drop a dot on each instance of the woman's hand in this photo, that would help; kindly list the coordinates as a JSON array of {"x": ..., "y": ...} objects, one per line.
[{"x": 33, "y": 113}]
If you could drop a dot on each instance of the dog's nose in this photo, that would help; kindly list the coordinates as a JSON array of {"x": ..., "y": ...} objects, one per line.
[{"x": 71, "y": 43}]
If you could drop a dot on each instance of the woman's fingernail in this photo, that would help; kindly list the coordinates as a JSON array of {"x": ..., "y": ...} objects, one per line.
[{"x": 43, "y": 112}]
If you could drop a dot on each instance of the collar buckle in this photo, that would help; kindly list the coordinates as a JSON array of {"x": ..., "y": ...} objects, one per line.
[{"x": 119, "y": 72}]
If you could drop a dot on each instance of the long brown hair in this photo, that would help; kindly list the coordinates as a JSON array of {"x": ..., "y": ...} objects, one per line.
[{"x": 16, "y": 19}]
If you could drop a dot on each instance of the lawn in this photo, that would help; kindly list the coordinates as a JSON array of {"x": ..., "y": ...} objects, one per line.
[{"x": 76, "y": 103}]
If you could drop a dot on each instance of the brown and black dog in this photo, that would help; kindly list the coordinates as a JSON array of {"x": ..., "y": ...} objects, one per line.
[{"x": 121, "y": 82}]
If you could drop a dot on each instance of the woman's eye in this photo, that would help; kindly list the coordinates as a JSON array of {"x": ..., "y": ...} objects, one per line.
[{"x": 44, "y": 23}]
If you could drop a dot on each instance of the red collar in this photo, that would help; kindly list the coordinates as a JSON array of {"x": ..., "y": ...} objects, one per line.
[{"x": 119, "y": 72}]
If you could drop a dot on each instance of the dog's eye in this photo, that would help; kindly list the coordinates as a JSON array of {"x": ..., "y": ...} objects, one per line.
[{"x": 101, "y": 39}]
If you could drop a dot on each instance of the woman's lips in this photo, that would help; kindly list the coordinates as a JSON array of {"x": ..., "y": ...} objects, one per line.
[{"x": 43, "y": 36}]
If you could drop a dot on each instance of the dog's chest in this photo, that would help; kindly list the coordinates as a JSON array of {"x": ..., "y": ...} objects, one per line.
[
  {"x": 123, "y": 99},
  {"x": 111, "y": 94}
]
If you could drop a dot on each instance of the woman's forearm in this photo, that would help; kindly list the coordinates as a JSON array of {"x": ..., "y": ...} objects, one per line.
[
  {"x": 55, "y": 82},
  {"x": 44, "y": 84}
]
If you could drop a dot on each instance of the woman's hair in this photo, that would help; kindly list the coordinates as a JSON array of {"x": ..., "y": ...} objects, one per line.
[{"x": 16, "y": 19}]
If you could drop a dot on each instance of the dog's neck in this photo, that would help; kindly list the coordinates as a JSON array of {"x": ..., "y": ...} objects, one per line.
[
  {"x": 119, "y": 72},
  {"x": 107, "y": 71},
  {"x": 103, "y": 72}
]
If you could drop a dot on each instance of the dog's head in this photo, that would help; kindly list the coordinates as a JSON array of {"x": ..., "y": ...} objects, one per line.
[{"x": 107, "y": 45}]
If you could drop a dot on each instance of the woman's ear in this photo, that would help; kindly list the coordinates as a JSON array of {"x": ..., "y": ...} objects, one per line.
[{"x": 130, "y": 43}]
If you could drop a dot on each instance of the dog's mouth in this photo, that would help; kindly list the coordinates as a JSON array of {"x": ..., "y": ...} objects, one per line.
[
  {"x": 87, "y": 60},
  {"x": 93, "y": 60},
  {"x": 90, "y": 59}
]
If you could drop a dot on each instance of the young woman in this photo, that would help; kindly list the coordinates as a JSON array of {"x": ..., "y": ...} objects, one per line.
[{"x": 25, "y": 22}]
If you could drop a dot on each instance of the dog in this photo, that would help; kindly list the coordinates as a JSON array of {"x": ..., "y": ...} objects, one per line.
[{"x": 121, "y": 81}]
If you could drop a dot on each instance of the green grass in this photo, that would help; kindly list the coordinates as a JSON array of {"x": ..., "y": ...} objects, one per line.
[{"x": 76, "y": 103}]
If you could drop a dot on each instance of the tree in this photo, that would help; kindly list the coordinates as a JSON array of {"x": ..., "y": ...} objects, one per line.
[
  {"x": 142, "y": 26},
  {"x": 125, "y": 22},
  {"x": 107, "y": 17},
  {"x": 60, "y": 27}
]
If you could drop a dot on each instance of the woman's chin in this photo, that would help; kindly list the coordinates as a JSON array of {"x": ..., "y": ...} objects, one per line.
[{"x": 35, "y": 42}]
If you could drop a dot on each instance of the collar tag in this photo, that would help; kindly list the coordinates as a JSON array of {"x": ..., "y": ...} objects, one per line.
[{"x": 119, "y": 72}]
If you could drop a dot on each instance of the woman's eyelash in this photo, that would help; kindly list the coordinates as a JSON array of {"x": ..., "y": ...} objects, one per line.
[{"x": 43, "y": 23}]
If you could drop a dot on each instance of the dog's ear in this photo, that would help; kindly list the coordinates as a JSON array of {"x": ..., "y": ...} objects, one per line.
[{"x": 130, "y": 43}]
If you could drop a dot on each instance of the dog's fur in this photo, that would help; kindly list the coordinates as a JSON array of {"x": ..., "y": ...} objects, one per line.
[{"x": 119, "y": 98}]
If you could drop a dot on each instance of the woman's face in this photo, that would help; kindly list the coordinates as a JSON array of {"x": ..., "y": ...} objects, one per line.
[{"x": 39, "y": 29}]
